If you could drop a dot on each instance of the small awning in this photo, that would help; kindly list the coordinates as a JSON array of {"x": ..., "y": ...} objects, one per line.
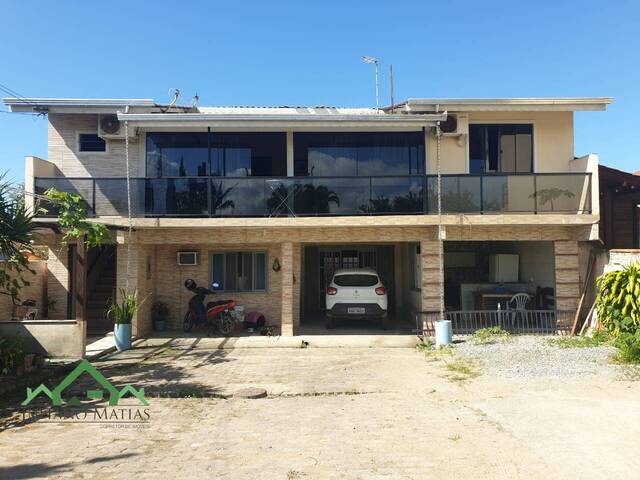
[{"x": 281, "y": 121}]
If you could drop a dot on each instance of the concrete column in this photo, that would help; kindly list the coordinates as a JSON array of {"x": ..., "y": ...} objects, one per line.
[
  {"x": 430, "y": 271},
  {"x": 297, "y": 282},
  {"x": 135, "y": 271},
  {"x": 288, "y": 291},
  {"x": 80, "y": 300},
  {"x": 567, "y": 275},
  {"x": 430, "y": 282},
  {"x": 58, "y": 277},
  {"x": 290, "y": 155}
]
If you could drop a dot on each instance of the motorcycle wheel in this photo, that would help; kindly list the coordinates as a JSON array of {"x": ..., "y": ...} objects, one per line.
[
  {"x": 187, "y": 323},
  {"x": 225, "y": 325}
]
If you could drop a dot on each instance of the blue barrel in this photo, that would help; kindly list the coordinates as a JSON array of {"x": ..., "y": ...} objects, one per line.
[{"x": 444, "y": 333}]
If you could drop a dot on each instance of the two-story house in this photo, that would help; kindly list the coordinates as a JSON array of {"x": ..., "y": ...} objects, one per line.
[{"x": 269, "y": 201}]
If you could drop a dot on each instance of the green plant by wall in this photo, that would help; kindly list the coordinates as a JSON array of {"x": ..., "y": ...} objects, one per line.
[
  {"x": 618, "y": 300},
  {"x": 11, "y": 353},
  {"x": 16, "y": 241},
  {"x": 160, "y": 311},
  {"x": 124, "y": 310},
  {"x": 72, "y": 219}
]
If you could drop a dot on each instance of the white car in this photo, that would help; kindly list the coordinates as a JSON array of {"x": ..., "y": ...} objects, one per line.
[{"x": 356, "y": 293}]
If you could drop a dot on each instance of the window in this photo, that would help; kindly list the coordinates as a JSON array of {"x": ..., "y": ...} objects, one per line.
[
  {"x": 177, "y": 154},
  {"x": 355, "y": 280},
  {"x": 91, "y": 142},
  {"x": 198, "y": 154},
  {"x": 359, "y": 154},
  {"x": 239, "y": 271},
  {"x": 501, "y": 148}
]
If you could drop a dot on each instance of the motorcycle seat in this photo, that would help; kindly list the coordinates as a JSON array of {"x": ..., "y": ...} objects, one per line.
[{"x": 217, "y": 303}]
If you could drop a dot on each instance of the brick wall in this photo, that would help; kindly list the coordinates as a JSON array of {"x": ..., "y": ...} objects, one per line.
[
  {"x": 33, "y": 291},
  {"x": 169, "y": 280},
  {"x": 63, "y": 137},
  {"x": 58, "y": 276}
]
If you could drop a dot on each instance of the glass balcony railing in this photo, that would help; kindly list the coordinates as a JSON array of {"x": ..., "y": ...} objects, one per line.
[{"x": 327, "y": 196}]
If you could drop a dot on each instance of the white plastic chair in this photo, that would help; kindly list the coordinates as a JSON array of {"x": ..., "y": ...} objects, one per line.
[{"x": 520, "y": 300}]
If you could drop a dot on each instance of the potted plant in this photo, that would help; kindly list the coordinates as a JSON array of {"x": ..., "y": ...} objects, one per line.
[
  {"x": 159, "y": 314},
  {"x": 122, "y": 313}
]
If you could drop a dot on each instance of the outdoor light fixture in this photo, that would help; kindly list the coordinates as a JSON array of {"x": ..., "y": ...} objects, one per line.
[{"x": 376, "y": 62}]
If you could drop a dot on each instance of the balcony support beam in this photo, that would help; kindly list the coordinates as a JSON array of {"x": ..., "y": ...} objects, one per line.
[{"x": 290, "y": 155}]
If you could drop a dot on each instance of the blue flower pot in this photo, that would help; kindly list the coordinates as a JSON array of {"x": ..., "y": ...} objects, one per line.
[{"x": 122, "y": 333}]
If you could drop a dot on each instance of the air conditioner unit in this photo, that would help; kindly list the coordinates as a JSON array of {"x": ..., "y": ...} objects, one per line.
[
  {"x": 110, "y": 127},
  {"x": 455, "y": 125},
  {"x": 187, "y": 259}
]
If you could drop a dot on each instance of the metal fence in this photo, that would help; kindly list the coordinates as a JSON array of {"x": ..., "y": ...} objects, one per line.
[
  {"x": 466, "y": 322},
  {"x": 329, "y": 196}
]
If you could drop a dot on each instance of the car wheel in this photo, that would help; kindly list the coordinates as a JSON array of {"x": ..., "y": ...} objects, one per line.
[
  {"x": 384, "y": 322},
  {"x": 330, "y": 322}
]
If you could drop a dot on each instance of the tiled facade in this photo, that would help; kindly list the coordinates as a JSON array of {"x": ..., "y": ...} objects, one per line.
[{"x": 162, "y": 280}]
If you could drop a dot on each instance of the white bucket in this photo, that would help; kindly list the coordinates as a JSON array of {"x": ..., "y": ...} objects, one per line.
[
  {"x": 239, "y": 309},
  {"x": 444, "y": 333}
]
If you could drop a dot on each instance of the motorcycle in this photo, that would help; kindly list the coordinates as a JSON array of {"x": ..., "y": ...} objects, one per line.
[{"x": 221, "y": 313}]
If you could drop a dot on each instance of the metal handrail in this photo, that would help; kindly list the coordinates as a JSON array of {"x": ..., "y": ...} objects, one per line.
[{"x": 475, "y": 204}]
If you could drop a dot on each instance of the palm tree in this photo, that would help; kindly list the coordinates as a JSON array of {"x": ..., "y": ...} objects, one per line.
[{"x": 16, "y": 241}]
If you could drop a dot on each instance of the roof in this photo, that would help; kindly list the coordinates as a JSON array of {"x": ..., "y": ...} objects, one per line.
[
  {"x": 406, "y": 106},
  {"x": 618, "y": 179},
  {"x": 503, "y": 104},
  {"x": 289, "y": 110}
]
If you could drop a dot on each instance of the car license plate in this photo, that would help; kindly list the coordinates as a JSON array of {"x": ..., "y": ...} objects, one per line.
[{"x": 355, "y": 310}]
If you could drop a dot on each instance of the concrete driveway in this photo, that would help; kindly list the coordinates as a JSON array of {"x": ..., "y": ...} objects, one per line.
[{"x": 364, "y": 413}]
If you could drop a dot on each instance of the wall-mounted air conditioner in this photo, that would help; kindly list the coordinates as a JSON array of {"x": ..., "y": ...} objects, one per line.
[
  {"x": 187, "y": 259},
  {"x": 110, "y": 127},
  {"x": 456, "y": 124}
]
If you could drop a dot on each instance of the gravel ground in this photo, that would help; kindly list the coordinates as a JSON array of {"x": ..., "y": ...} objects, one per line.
[{"x": 533, "y": 356}]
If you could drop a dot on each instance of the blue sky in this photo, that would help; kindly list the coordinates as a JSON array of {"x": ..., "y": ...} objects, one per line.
[{"x": 308, "y": 53}]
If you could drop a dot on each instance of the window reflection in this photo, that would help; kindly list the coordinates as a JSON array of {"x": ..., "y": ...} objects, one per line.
[
  {"x": 359, "y": 154},
  {"x": 177, "y": 154},
  {"x": 216, "y": 154}
]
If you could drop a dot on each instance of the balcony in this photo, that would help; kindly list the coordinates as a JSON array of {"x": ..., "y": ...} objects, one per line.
[{"x": 540, "y": 193}]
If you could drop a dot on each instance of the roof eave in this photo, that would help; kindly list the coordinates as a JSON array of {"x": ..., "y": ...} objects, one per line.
[
  {"x": 502, "y": 104},
  {"x": 85, "y": 104}
]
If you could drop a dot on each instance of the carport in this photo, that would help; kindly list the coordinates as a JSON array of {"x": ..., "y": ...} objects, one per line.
[{"x": 321, "y": 261}]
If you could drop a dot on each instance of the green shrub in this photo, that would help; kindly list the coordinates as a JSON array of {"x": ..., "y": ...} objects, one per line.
[
  {"x": 490, "y": 335},
  {"x": 628, "y": 345},
  {"x": 11, "y": 353},
  {"x": 599, "y": 338},
  {"x": 618, "y": 300}
]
